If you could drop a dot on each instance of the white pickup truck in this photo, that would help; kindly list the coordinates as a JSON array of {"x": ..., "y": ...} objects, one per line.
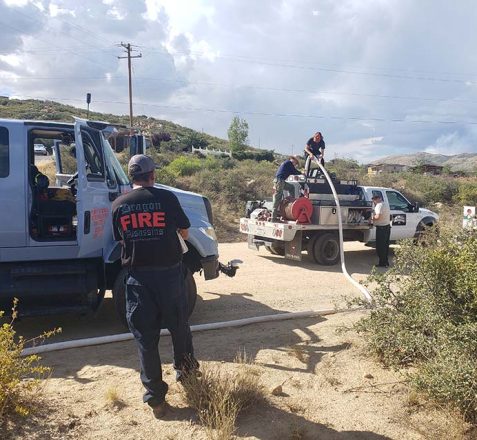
[
  {"x": 319, "y": 236},
  {"x": 408, "y": 220}
]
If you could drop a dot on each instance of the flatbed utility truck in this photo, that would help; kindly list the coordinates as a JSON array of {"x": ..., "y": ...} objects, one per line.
[{"x": 310, "y": 218}]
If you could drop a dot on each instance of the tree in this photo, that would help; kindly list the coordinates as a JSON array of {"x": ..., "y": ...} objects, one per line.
[
  {"x": 157, "y": 138},
  {"x": 238, "y": 134},
  {"x": 193, "y": 139}
]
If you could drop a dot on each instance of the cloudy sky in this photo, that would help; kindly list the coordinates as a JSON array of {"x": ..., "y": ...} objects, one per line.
[{"x": 376, "y": 77}]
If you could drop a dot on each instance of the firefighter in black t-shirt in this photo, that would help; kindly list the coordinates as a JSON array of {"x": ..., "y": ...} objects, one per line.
[
  {"x": 147, "y": 221},
  {"x": 315, "y": 147}
]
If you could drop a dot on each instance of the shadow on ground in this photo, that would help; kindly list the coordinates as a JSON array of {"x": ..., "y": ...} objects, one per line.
[{"x": 359, "y": 261}]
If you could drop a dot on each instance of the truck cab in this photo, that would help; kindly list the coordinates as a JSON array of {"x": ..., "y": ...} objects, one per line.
[
  {"x": 408, "y": 220},
  {"x": 57, "y": 252}
]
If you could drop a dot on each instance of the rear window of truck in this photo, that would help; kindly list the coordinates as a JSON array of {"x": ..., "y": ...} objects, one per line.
[{"x": 4, "y": 152}]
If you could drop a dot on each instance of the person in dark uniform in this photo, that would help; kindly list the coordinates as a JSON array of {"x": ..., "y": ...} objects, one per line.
[
  {"x": 147, "y": 221},
  {"x": 286, "y": 169},
  {"x": 381, "y": 221},
  {"x": 315, "y": 147}
]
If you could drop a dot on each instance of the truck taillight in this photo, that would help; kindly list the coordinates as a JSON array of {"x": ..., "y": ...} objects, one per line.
[{"x": 208, "y": 208}]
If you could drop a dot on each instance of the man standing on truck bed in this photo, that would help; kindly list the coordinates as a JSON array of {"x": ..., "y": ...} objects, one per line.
[
  {"x": 314, "y": 147},
  {"x": 381, "y": 220},
  {"x": 147, "y": 221},
  {"x": 286, "y": 169}
]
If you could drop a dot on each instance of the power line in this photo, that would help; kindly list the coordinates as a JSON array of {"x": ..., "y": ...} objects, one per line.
[
  {"x": 273, "y": 114},
  {"x": 323, "y": 68},
  {"x": 86, "y": 32},
  {"x": 67, "y": 51},
  {"x": 253, "y": 87}
]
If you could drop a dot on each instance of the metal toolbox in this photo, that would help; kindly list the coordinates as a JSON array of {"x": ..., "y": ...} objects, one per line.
[{"x": 328, "y": 215}]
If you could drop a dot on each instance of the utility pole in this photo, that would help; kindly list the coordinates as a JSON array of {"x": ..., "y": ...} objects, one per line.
[{"x": 128, "y": 50}]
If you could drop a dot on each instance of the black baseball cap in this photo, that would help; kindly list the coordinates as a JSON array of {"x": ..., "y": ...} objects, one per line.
[{"x": 141, "y": 164}]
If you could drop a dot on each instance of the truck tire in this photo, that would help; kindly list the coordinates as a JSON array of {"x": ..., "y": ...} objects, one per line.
[
  {"x": 119, "y": 293},
  {"x": 324, "y": 249},
  {"x": 420, "y": 231},
  {"x": 191, "y": 289},
  {"x": 276, "y": 249}
]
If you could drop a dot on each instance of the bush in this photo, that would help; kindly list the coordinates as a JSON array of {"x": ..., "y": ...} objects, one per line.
[
  {"x": 185, "y": 166},
  {"x": 20, "y": 377},
  {"x": 259, "y": 156},
  {"x": 467, "y": 194},
  {"x": 427, "y": 317},
  {"x": 219, "y": 397}
]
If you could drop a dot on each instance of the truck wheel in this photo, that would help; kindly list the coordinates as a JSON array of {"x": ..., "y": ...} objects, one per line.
[
  {"x": 119, "y": 293},
  {"x": 275, "y": 249},
  {"x": 190, "y": 288},
  {"x": 324, "y": 249},
  {"x": 419, "y": 237}
]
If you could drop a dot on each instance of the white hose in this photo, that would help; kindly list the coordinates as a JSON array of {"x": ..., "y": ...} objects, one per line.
[
  {"x": 224, "y": 324},
  {"x": 195, "y": 328},
  {"x": 359, "y": 286}
]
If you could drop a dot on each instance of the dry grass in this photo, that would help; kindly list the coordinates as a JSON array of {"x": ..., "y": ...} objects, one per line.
[
  {"x": 220, "y": 396},
  {"x": 299, "y": 352},
  {"x": 113, "y": 399}
]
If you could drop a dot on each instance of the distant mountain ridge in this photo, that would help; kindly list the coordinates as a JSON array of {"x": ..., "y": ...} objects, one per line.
[{"x": 459, "y": 162}]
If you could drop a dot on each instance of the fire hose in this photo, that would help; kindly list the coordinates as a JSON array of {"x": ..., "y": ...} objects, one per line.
[
  {"x": 224, "y": 324},
  {"x": 359, "y": 286}
]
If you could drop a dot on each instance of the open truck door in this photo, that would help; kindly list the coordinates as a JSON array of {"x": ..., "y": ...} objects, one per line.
[{"x": 97, "y": 186}]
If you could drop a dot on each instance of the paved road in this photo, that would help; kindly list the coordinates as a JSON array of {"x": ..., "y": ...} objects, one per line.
[{"x": 265, "y": 284}]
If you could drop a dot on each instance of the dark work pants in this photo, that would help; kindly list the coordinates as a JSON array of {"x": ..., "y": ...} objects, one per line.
[
  {"x": 382, "y": 244},
  {"x": 155, "y": 299}
]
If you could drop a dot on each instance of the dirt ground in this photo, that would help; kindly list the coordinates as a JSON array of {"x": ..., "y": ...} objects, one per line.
[{"x": 331, "y": 390}]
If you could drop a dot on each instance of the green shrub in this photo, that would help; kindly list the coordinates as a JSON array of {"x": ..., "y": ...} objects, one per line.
[
  {"x": 185, "y": 166},
  {"x": 467, "y": 194},
  {"x": 426, "y": 316},
  {"x": 259, "y": 156},
  {"x": 20, "y": 377}
]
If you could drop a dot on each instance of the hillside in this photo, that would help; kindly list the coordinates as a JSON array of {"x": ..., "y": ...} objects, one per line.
[
  {"x": 459, "y": 162},
  {"x": 54, "y": 111}
]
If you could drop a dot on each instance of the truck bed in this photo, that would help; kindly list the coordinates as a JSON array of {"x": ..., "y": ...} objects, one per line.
[{"x": 285, "y": 231}]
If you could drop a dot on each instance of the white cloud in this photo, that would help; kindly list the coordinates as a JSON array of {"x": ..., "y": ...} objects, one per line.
[
  {"x": 17, "y": 3},
  {"x": 12, "y": 59},
  {"x": 351, "y": 69},
  {"x": 56, "y": 10}
]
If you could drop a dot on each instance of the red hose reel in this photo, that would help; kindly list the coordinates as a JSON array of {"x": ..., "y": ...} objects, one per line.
[{"x": 300, "y": 209}]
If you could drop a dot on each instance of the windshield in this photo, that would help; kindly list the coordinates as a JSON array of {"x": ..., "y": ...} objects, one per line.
[{"x": 113, "y": 164}]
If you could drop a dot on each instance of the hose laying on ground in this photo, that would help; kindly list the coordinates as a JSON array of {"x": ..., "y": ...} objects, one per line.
[
  {"x": 359, "y": 286},
  {"x": 194, "y": 328},
  {"x": 225, "y": 324}
]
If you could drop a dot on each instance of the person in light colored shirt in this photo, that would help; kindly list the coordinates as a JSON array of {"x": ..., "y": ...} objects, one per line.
[{"x": 382, "y": 220}]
